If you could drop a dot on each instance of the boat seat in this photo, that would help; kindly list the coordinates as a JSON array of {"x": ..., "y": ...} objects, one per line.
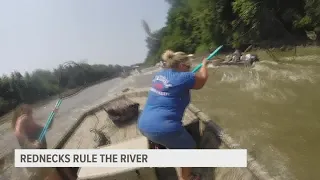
[{"x": 116, "y": 173}]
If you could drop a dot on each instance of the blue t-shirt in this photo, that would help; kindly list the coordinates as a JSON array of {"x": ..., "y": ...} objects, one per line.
[{"x": 167, "y": 100}]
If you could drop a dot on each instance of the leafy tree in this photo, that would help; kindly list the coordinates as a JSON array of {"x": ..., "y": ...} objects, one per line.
[
  {"x": 201, "y": 25},
  {"x": 41, "y": 84}
]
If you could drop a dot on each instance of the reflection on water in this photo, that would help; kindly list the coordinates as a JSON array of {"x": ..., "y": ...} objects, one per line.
[{"x": 272, "y": 110}]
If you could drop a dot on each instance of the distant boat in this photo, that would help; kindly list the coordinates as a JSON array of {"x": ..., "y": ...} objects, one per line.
[
  {"x": 124, "y": 74},
  {"x": 245, "y": 60},
  {"x": 136, "y": 69}
]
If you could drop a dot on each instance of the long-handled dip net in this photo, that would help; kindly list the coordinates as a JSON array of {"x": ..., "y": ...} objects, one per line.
[{"x": 63, "y": 68}]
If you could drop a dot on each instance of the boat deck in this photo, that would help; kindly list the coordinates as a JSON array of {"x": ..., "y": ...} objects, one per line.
[{"x": 82, "y": 138}]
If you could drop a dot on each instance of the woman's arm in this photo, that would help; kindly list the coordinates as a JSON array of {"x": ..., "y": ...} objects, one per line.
[{"x": 202, "y": 76}]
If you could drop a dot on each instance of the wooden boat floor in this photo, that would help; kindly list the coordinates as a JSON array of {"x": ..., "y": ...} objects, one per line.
[{"x": 82, "y": 138}]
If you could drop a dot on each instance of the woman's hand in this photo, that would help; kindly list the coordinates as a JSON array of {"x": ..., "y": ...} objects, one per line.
[
  {"x": 205, "y": 62},
  {"x": 202, "y": 75}
]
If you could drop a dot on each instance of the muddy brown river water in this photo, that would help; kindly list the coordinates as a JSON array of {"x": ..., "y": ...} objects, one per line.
[{"x": 272, "y": 109}]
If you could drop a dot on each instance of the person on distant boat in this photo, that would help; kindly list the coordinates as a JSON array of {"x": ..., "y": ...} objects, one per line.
[
  {"x": 236, "y": 55},
  {"x": 161, "y": 119},
  {"x": 162, "y": 64},
  {"x": 249, "y": 59}
]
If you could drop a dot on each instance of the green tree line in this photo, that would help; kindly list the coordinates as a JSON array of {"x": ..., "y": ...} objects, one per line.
[
  {"x": 200, "y": 25},
  {"x": 41, "y": 84}
]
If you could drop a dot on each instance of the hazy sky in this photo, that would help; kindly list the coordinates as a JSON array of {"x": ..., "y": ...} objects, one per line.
[{"x": 44, "y": 33}]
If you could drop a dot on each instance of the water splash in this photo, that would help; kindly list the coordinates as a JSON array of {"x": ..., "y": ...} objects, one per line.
[
  {"x": 268, "y": 62},
  {"x": 264, "y": 78},
  {"x": 287, "y": 72},
  {"x": 313, "y": 58},
  {"x": 253, "y": 82},
  {"x": 230, "y": 77}
]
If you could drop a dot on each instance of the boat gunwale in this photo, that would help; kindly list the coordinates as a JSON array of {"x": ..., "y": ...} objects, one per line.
[{"x": 253, "y": 166}]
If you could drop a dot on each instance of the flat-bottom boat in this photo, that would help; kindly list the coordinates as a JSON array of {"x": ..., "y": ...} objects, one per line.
[
  {"x": 97, "y": 129},
  {"x": 245, "y": 60}
]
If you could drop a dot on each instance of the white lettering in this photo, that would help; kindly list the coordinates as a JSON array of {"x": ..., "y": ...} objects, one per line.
[
  {"x": 45, "y": 158},
  {"x": 132, "y": 158},
  {"x": 159, "y": 92}
]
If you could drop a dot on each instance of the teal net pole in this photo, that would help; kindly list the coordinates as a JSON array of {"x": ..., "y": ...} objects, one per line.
[
  {"x": 49, "y": 120},
  {"x": 56, "y": 107},
  {"x": 214, "y": 53}
]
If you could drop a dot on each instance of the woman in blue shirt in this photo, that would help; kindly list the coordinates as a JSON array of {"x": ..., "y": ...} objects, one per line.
[{"x": 161, "y": 119}]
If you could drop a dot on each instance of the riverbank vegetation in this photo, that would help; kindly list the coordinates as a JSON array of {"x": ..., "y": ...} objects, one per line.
[
  {"x": 42, "y": 84},
  {"x": 196, "y": 26}
]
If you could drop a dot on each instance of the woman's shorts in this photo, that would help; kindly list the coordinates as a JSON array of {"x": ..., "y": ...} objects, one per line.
[{"x": 173, "y": 140}]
